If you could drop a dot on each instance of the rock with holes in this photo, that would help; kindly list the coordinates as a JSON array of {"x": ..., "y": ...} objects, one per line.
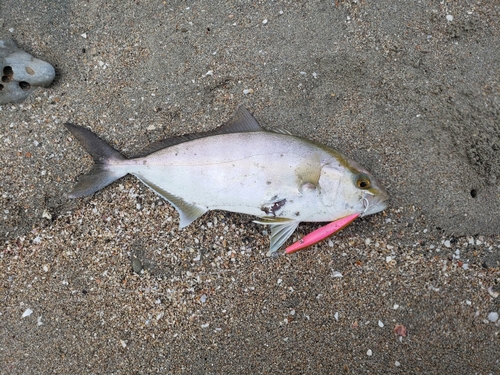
[{"x": 21, "y": 73}]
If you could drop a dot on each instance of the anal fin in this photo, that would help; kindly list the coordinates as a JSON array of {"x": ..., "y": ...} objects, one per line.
[{"x": 188, "y": 212}]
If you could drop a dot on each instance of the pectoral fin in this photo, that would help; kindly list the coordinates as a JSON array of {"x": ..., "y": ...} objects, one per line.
[
  {"x": 281, "y": 230},
  {"x": 309, "y": 172},
  {"x": 188, "y": 212}
]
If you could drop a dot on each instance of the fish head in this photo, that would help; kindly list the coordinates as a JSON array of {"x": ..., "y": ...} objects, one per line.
[
  {"x": 347, "y": 188},
  {"x": 372, "y": 195}
]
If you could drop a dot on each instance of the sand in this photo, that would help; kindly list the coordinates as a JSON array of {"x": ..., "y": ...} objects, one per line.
[{"x": 109, "y": 285}]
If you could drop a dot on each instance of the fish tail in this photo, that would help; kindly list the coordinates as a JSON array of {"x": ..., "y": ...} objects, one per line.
[{"x": 106, "y": 160}]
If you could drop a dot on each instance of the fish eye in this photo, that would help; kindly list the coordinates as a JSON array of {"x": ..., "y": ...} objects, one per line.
[{"x": 363, "y": 182}]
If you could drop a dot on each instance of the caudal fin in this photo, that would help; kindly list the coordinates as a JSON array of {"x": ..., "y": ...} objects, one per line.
[{"x": 106, "y": 159}]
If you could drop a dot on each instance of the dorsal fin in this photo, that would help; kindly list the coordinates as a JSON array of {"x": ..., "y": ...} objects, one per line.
[{"x": 241, "y": 122}]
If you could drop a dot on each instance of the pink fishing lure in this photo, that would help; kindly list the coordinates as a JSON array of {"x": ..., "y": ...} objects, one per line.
[{"x": 321, "y": 233}]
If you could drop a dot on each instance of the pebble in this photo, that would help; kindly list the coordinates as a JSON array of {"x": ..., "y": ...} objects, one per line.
[
  {"x": 369, "y": 353},
  {"x": 400, "y": 330},
  {"x": 136, "y": 265},
  {"x": 492, "y": 292},
  {"x": 493, "y": 316},
  {"x": 21, "y": 73},
  {"x": 449, "y": 17}
]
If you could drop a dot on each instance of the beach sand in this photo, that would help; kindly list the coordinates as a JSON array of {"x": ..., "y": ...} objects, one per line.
[{"x": 108, "y": 284}]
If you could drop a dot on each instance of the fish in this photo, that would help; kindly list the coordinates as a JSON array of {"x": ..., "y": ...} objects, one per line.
[{"x": 279, "y": 178}]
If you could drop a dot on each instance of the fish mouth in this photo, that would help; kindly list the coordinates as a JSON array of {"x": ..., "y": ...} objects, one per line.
[{"x": 372, "y": 204}]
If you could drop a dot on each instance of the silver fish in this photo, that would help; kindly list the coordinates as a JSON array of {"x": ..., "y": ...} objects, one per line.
[{"x": 240, "y": 167}]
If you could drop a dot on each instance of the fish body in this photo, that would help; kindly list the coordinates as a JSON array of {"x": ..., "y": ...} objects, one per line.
[{"x": 280, "y": 178}]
